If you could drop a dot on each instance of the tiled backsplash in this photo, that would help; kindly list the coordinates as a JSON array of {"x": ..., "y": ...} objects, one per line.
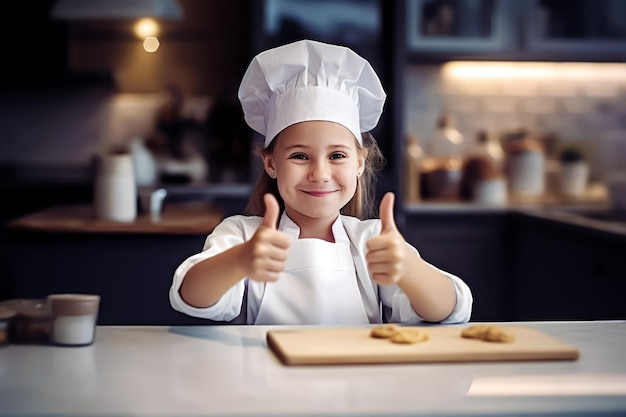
[{"x": 583, "y": 103}]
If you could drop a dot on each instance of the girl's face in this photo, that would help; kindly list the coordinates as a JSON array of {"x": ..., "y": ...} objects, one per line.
[{"x": 316, "y": 164}]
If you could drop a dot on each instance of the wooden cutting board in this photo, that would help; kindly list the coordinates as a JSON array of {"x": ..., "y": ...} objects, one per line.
[{"x": 339, "y": 345}]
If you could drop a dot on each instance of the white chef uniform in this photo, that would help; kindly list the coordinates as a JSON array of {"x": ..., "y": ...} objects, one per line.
[{"x": 386, "y": 301}]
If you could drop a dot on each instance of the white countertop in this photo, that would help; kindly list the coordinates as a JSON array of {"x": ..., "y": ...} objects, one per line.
[{"x": 228, "y": 370}]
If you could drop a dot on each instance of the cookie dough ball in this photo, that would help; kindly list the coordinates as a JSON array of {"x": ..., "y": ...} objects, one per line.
[
  {"x": 495, "y": 334},
  {"x": 409, "y": 336},
  {"x": 489, "y": 333},
  {"x": 476, "y": 331},
  {"x": 384, "y": 331}
]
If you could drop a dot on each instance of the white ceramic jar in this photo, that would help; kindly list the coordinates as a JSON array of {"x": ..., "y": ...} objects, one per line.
[
  {"x": 115, "y": 189},
  {"x": 74, "y": 318},
  {"x": 574, "y": 177},
  {"x": 527, "y": 169},
  {"x": 491, "y": 191}
]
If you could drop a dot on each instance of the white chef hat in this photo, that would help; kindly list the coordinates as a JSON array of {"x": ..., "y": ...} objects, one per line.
[{"x": 310, "y": 80}]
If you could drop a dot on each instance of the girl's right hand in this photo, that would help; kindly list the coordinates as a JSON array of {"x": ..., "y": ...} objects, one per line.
[{"x": 266, "y": 252}]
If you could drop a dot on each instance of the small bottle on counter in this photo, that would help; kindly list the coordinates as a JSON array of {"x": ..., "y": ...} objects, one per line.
[
  {"x": 489, "y": 146},
  {"x": 440, "y": 173},
  {"x": 74, "y": 318}
]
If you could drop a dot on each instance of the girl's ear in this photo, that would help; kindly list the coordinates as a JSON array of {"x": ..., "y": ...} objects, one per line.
[
  {"x": 268, "y": 163},
  {"x": 362, "y": 158}
]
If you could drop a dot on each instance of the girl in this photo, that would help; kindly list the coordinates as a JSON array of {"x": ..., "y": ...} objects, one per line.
[{"x": 303, "y": 255}]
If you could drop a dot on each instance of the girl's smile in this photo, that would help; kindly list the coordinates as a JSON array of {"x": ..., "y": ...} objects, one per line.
[{"x": 319, "y": 193}]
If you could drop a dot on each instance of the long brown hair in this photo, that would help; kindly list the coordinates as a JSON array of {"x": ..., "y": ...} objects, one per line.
[{"x": 362, "y": 203}]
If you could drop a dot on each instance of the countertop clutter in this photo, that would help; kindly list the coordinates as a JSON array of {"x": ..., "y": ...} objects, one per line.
[
  {"x": 229, "y": 370},
  {"x": 194, "y": 218}
]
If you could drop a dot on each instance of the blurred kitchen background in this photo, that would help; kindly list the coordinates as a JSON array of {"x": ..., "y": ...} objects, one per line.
[{"x": 490, "y": 104}]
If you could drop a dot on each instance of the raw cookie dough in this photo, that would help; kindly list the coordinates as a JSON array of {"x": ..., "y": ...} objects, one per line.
[
  {"x": 384, "y": 331},
  {"x": 409, "y": 336},
  {"x": 476, "y": 331},
  {"x": 489, "y": 333},
  {"x": 495, "y": 334}
]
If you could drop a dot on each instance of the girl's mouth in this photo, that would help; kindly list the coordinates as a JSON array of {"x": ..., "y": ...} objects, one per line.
[{"x": 319, "y": 193}]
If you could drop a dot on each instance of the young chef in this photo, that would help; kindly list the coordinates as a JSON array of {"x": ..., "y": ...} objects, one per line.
[{"x": 304, "y": 255}]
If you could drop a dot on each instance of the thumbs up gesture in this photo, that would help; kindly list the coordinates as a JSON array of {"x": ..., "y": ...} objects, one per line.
[
  {"x": 387, "y": 252},
  {"x": 266, "y": 252}
]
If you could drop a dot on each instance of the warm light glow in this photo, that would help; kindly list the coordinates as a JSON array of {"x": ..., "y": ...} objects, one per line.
[
  {"x": 532, "y": 70},
  {"x": 540, "y": 385},
  {"x": 492, "y": 70},
  {"x": 146, "y": 27},
  {"x": 151, "y": 44}
]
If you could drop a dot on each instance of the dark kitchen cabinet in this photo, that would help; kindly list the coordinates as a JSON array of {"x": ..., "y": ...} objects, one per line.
[
  {"x": 522, "y": 267},
  {"x": 64, "y": 249},
  {"x": 459, "y": 26},
  {"x": 566, "y": 272},
  {"x": 545, "y": 30},
  {"x": 131, "y": 272},
  {"x": 583, "y": 28},
  {"x": 472, "y": 246}
]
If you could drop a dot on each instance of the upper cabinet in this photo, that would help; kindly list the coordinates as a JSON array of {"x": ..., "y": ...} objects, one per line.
[
  {"x": 458, "y": 26},
  {"x": 581, "y": 30},
  {"x": 586, "y": 28}
]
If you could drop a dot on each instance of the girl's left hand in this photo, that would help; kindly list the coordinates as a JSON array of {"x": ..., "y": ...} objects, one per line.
[{"x": 387, "y": 252}]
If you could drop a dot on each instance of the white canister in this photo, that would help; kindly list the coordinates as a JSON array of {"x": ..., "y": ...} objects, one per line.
[
  {"x": 527, "y": 169},
  {"x": 115, "y": 189},
  {"x": 491, "y": 191},
  {"x": 574, "y": 177},
  {"x": 74, "y": 318}
]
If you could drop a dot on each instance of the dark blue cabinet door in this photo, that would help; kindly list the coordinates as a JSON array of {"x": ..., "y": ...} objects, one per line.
[{"x": 583, "y": 29}]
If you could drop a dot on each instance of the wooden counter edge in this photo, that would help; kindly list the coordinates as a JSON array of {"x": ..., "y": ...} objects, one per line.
[{"x": 180, "y": 218}]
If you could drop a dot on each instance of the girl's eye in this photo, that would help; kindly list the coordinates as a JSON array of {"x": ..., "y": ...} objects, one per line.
[
  {"x": 337, "y": 155},
  {"x": 298, "y": 156}
]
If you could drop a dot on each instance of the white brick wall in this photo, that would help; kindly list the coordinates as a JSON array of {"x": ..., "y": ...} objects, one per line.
[{"x": 582, "y": 103}]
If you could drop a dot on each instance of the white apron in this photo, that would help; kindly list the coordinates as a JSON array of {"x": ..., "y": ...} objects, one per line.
[{"x": 318, "y": 285}]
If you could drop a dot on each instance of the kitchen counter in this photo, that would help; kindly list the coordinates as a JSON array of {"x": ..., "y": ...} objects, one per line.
[
  {"x": 181, "y": 218},
  {"x": 606, "y": 222},
  {"x": 596, "y": 198},
  {"x": 228, "y": 370},
  {"x": 594, "y": 218}
]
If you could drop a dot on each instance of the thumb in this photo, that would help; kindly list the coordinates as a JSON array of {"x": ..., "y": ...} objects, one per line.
[
  {"x": 272, "y": 210},
  {"x": 386, "y": 213}
]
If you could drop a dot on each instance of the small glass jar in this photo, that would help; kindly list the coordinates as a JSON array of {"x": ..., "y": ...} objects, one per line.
[
  {"x": 31, "y": 322},
  {"x": 74, "y": 318}
]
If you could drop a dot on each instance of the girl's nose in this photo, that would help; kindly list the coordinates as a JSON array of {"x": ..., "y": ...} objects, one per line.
[{"x": 319, "y": 172}]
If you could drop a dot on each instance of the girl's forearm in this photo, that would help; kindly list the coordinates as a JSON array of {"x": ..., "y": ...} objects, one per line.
[
  {"x": 207, "y": 281},
  {"x": 430, "y": 291}
]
